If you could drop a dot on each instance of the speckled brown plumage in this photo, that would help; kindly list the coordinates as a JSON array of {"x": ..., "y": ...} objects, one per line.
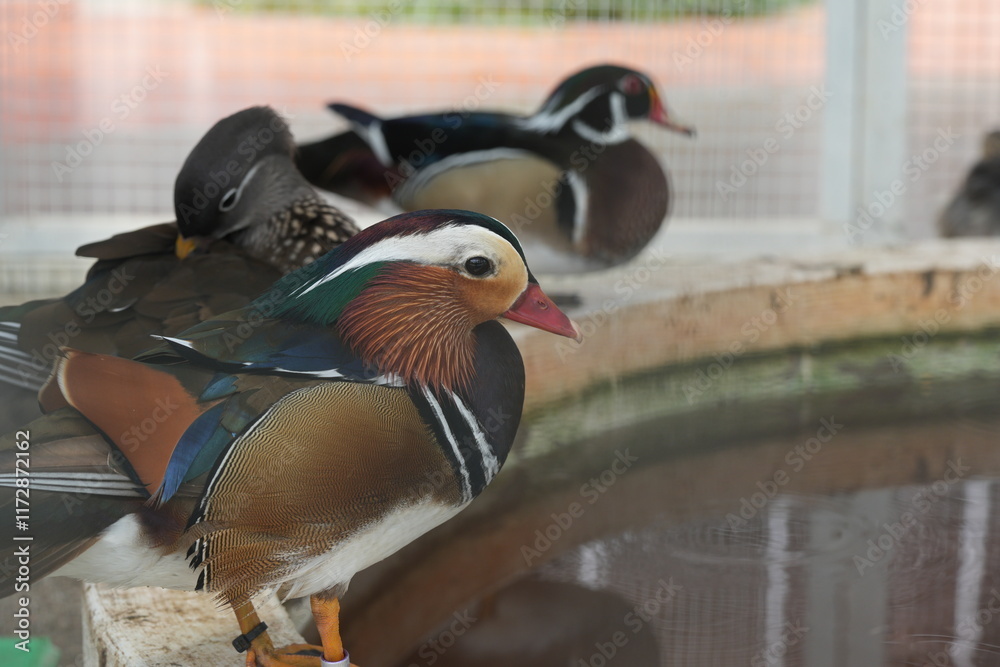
[{"x": 298, "y": 234}]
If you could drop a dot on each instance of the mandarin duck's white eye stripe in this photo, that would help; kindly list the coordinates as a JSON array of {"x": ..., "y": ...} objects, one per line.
[{"x": 447, "y": 245}]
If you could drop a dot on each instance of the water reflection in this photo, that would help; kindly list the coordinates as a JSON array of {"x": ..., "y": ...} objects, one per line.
[{"x": 885, "y": 550}]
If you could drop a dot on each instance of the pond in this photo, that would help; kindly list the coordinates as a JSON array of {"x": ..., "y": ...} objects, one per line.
[{"x": 814, "y": 507}]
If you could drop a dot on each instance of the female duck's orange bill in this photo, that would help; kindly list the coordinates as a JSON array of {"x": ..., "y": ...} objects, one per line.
[{"x": 537, "y": 310}]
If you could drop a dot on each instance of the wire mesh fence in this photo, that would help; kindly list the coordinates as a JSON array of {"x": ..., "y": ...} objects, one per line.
[{"x": 101, "y": 101}]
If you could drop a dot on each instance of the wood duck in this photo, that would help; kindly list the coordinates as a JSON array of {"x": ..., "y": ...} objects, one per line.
[
  {"x": 975, "y": 210},
  {"x": 245, "y": 217},
  {"x": 360, "y": 402},
  {"x": 568, "y": 179}
]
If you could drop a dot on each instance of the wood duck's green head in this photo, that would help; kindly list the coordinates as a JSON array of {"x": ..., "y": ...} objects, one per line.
[
  {"x": 597, "y": 103},
  {"x": 407, "y": 293},
  {"x": 241, "y": 165}
]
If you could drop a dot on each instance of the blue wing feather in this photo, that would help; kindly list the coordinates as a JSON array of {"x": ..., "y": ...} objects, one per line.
[
  {"x": 190, "y": 448},
  {"x": 222, "y": 385},
  {"x": 273, "y": 346}
]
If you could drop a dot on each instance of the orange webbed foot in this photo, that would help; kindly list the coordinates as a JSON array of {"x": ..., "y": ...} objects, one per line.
[
  {"x": 261, "y": 651},
  {"x": 295, "y": 655}
]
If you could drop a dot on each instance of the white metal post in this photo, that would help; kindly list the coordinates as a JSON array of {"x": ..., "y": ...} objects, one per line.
[{"x": 864, "y": 135}]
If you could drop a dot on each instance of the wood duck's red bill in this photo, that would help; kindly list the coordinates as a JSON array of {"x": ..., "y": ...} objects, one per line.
[
  {"x": 537, "y": 310},
  {"x": 658, "y": 114}
]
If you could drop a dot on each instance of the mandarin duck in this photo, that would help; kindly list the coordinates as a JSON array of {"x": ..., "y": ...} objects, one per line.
[
  {"x": 569, "y": 179},
  {"x": 294, "y": 438},
  {"x": 975, "y": 210},
  {"x": 244, "y": 210}
]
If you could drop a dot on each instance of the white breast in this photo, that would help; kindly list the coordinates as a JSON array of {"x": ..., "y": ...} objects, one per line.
[
  {"x": 121, "y": 559},
  {"x": 367, "y": 547}
]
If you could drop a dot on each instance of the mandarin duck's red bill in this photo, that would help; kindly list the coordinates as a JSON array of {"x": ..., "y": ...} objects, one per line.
[
  {"x": 537, "y": 310},
  {"x": 288, "y": 444},
  {"x": 244, "y": 218},
  {"x": 581, "y": 193}
]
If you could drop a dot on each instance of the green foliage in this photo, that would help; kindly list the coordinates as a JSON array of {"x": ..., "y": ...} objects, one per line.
[{"x": 552, "y": 13}]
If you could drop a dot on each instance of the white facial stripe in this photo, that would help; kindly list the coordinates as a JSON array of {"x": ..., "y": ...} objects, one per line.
[
  {"x": 619, "y": 124},
  {"x": 545, "y": 120},
  {"x": 445, "y": 246},
  {"x": 579, "y": 189},
  {"x": 372, "y": 135},
  {"x": 246, "y": 180},
  {"x": 618, "y": 114}
]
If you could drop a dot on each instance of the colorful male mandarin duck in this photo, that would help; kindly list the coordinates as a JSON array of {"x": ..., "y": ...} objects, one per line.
[
  {"x": 239, "y": 200},
  {"x": 294, "y": 436},
  {"x": 569, "y": 179},
  {"x": 975, "y": 210}
]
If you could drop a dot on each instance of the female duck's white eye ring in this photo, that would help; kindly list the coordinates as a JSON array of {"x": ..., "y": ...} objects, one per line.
[
  {"x": 232, "y": 196},
  {"x": 229, "y": 200}
]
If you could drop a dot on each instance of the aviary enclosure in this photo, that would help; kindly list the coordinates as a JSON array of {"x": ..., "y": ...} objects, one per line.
[{"x": 777, "y": 442}]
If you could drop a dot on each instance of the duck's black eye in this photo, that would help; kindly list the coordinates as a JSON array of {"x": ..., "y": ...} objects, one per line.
[
  {"x": 229, "y": 200},
  {"x": 478, "y": 266}
]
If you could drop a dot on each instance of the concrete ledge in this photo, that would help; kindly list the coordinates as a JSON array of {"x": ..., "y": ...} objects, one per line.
[
  {"x": 152, "y": 627},
  {"x": 37, "y": 252},
  {"x": 658, "y": 312}
]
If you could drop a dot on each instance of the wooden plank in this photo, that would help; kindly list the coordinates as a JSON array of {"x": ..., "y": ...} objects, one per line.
[{"x": 152, "y": 627}]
